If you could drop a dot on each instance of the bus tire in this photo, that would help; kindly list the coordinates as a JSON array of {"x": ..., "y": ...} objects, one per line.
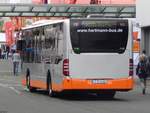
[
  {"x": 28, "y": 81},
  {"x": 51, "y": 93}
]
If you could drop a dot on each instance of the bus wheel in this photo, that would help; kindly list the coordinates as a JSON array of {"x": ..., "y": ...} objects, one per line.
[
  {"x": 28, "y": 83},
  {"x": 51, "y": 93}
]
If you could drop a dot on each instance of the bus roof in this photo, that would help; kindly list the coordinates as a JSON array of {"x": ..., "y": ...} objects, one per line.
[
  {"x": 49, "y": 22},
  {"x": 42, "y": 23}
]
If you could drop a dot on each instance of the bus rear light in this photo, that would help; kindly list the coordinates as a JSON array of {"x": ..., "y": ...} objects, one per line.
[
  {"x": 131, "y": 67},
  {"x": 66, "y": 67}
]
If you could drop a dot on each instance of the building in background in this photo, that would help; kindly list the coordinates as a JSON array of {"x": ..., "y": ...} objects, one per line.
[
  {"x": 2, "y": 39},
  {"x": 9, "y": 33},
  {"x": 56, "y": 1},
  {"x": 16, "y": 1},
  {"x": 40, "y": 1},
  {"x": 99, "y": 1},
  {"x": 136, "y": 41},
  {"x": 91, "y": 1},
  {"x": 24, "y": 1},
  {"x": 143, "y": 17},
  {"x": 1, "y": 24},
  {"x": 116, "y": 1}
]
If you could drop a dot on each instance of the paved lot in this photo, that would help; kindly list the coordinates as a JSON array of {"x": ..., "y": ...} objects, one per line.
[{"x": 16, "y": 99}]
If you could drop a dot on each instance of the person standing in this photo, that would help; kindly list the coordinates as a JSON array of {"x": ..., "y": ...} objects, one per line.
[
  {"x": 144, "y": 55},
  {"x": 141, "y": 72},
  {"x": 7, "y": 51},
  {"x": 16, "y": 60},
  {"x": 148, "y": 66}
]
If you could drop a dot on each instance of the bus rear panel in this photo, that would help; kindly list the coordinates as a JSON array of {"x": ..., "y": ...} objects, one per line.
[{"x": 99, "y": 55}]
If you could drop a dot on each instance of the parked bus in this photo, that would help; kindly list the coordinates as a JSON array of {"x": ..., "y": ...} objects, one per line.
[{"x": 86, "y": 55}]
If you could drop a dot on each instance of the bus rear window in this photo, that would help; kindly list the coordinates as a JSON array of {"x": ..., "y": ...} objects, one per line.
[{"x": 93, "y": 36}]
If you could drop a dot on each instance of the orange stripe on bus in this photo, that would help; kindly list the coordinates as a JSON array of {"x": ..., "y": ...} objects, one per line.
[
  {"x": 36, "y": 84},
  {"x": 42, "y": 85},
  {"x": 57, "y": 87},
  {"x": 126, "y": 83},
  {"x": 77, "y": 84}
]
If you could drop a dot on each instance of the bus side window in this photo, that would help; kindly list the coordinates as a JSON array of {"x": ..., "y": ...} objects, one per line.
[
  {"x": 49, "y": 33},
  {"x": 59, "y": 43}
]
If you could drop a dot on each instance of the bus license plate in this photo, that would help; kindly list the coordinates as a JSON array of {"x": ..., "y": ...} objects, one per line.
[{"x": 99, "y": 81}]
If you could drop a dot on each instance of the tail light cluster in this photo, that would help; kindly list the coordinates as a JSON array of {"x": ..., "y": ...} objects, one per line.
[
  {"x": 131, "y": 67},
  {"x": 66, "y": 67}
]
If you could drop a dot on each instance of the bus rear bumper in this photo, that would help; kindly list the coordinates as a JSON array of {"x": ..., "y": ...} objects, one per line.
[{"x": 123, "y": 84}]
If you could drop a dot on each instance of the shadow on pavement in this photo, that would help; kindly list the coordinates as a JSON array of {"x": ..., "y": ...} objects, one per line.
[{"x": 79, "y": 96}]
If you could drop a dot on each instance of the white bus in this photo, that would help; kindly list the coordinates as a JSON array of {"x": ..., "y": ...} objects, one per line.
[{"x": 92, "y": 55}]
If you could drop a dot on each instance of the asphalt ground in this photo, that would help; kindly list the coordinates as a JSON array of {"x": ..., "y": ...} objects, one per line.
[{"x": 14, "y": 98}]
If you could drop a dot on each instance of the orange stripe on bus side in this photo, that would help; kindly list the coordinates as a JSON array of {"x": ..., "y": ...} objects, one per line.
[
  {"x": 57, "y": 87},
  {"x": 75, "y": 84},
  {"x": 42, "y": 85},
  {"x": 36, "y": 84}
]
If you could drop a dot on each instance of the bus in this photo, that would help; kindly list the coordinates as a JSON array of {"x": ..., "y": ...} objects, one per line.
[{"x": 87, "y": 55}]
